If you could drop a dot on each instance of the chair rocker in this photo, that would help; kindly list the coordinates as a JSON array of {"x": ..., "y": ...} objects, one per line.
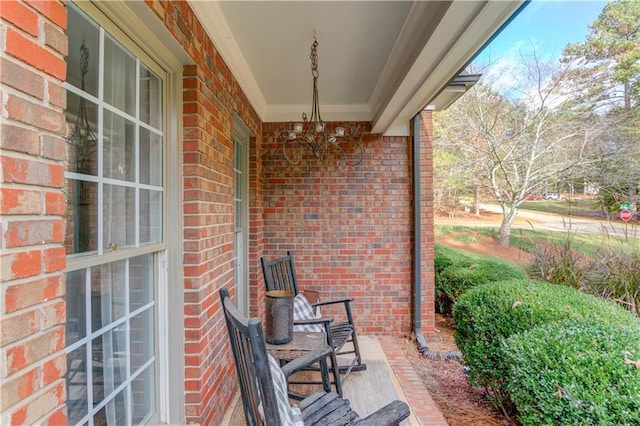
[
  {"x": 263, "y": 382},
  {"x": 280, "y": 274}
]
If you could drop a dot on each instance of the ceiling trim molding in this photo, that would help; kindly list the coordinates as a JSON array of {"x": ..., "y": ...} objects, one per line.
[
  {"x": 418, "y": 28},
  {"x": 422, "y": 83},
  {"x": 214, "y": 23},
  {"x": 353, "y": 112},
  {"x": 418, "y": 80}
]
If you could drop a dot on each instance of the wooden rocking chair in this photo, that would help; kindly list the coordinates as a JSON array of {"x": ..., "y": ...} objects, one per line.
[
  {"x": 280, "y": 274},
  {"x": 263, "y": 382}
]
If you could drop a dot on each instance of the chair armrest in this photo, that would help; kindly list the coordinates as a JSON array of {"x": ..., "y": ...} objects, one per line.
[
  {"x": 347, "y": 306},
  {"x": 322, "y": 320},
  {"x": 332, "y": 302},
  {"x": 306, "y": 360},
  {"x": 391, "y": 414}
]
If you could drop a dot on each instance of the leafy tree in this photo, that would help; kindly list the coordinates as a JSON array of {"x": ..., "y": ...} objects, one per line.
[
  {"x": 518, "y": 140},
  {"x": 452, "y": 174},
  {"x": 605, "y": 75},
  {"x": 607, "y": 64}
]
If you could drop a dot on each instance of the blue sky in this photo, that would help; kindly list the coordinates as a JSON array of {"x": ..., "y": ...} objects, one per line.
[{"x": 549, "y": 24}]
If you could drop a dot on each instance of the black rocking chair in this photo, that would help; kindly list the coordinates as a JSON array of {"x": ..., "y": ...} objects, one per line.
[
  {"x": 280, "y": 274},
  {"x": 262, "y": 397}
]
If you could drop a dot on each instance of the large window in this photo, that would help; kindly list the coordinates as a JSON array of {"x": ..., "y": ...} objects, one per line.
[{"x": 114, "y": 239}]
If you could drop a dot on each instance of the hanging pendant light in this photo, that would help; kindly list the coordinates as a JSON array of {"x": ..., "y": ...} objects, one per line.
[{"x": 313, "y": 137}]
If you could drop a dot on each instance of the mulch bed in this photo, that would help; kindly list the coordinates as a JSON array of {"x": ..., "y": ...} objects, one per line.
[{"x": 460, "y": 403}]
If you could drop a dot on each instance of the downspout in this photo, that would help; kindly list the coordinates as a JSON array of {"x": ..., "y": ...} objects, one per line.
[
  {"x": 421, "y": 341},
  {"x": 417, "y": 236}
]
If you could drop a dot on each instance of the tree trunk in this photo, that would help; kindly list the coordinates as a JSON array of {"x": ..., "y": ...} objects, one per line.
[
  {"x": 476, "y": 201},
  {"x": 505, "y": 234},
  {"x": 505, "y": 228}
]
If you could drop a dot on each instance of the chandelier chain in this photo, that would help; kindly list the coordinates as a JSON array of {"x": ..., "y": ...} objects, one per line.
[
  {"x": 84, "y": 62},
  {"x": 314, "y": 59}
]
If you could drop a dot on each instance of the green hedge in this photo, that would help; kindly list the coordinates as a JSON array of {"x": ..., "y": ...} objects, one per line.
[
  {"x": 575, "y": 373},
  {"x": 487, "y": 315},
  {"x": 456, "y": 271},
  {"x": 444, "y": 256}
]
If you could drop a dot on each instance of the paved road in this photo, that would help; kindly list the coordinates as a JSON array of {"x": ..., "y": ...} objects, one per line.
[{"x": 549, "y": 222}]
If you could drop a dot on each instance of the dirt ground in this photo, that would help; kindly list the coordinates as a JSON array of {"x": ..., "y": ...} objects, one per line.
[
  {"x": 461, "y": 404},
  {"x": 490, "y": 247},
  {"x": 482, "y": 244}
]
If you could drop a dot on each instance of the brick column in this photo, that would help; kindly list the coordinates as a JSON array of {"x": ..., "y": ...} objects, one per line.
[
  {"x": 428, "y": 233},
  {"x": 32, "y": 205}
]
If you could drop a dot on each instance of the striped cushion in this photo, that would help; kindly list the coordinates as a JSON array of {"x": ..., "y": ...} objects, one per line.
[
  {"x": 302, "y": 310},
  {"x": 289, "y": 416}
]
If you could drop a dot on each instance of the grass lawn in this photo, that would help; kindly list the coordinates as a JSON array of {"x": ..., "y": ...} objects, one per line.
[
  {"x": 586, "y": 208},
  {"x": 528, "y": 240}
]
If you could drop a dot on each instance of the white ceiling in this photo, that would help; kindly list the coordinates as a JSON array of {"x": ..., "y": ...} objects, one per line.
[{"x": 378, "y": 61}]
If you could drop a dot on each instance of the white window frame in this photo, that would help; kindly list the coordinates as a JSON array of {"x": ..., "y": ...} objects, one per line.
[
  {"x": 241, "y": 137},
  {"x": 152, "y": 43}
]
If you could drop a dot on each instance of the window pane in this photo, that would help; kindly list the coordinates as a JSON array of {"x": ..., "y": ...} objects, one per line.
[
  {"x": 140, "y": 281},
  {"x": 150, "y": 98},
  {"x": 76, "y": 306},
  {"x": 238, "y": 185},
  {"x": 76, "y": 378},
  {"x": 143, "y": 392},
  {"x": 238, "y": 213},
  {"x": 82, "y": 138},
  {"x": 81, "y": 216},
  {"x": 150, "y": 158},
  {"x": 150, "y": 216},
  {"x": 142, "y": 343},
  {"x": 109, "y": 363},
  {"x": 119, "y": 77},
  {"x": 108, "y": 294},
  {"x": 82, "y": 31},
  {"x": 237, "y": 154},
  {"x": 119, "y": 217},
  {"x": 119, "y": 148},
  {"x": 114, "y": 413}
]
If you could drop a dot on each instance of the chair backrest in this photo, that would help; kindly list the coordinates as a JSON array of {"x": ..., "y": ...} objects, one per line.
[
  {"x": 280, "y": 273},
  {"x": 252, "y": 365}
]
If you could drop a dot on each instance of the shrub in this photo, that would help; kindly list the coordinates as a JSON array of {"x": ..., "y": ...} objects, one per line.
[
  {"x": 457, "y": 271},
  {"x": 559, "y": 263},
  {"x": 613, "y": 273},
  {"x": 443, "y": 257},
  {"x": 575, "y": 373},
  {"x": 487, "y": 315}
]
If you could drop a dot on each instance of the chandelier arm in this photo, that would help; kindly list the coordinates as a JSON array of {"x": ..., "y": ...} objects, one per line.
[
  {"x": 294, "y": 158},
  {"x": 313, "y": 136},
  {"x": 349, "y": 158},
  {"x": 357, "y": 159}
]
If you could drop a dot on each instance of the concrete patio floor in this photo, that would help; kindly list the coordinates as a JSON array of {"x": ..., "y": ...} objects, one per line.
[{"x": 389, "y": 376}]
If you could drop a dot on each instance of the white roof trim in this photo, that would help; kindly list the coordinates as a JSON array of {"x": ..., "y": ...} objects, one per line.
[{"x": 212, "y": 19}]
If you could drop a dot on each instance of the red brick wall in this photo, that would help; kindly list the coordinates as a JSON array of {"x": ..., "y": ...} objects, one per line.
[
  {"x": 211, "y": 97},
  {"x": 32, "y": 207},
  {"x": 350, "y": 230}
]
